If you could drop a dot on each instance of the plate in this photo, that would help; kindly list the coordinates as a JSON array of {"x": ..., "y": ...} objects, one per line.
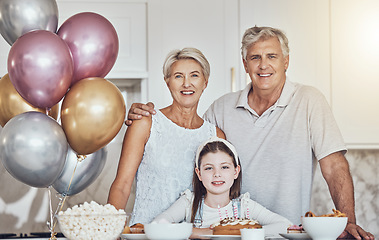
[
  {"x": 295, "y": 235},
  {"x": 223, "y": 237},
  {"x": 134, "y": 236},
  {"x": 226, "y": 237}
]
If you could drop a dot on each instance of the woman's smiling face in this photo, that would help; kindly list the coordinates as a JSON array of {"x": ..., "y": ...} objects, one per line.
[
  {"x": 187, "y": 82},
  {"x": 217, "y": 172}
]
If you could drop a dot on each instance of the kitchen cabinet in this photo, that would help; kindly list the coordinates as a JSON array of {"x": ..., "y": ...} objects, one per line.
[
  {"x": 355, "y": 72},
  {"x": 211, "y": 26}
]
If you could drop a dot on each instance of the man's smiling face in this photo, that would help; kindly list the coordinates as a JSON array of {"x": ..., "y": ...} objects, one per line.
[{"x": 266, "y": 65}]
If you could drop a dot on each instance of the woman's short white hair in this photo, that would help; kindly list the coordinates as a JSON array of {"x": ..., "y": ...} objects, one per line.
[
  {"x": 254, "y": 34},
  {"x": 186, "y": 53}
]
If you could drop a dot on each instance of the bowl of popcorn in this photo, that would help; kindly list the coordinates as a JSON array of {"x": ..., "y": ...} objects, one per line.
[{"x": 92, "y": 221}]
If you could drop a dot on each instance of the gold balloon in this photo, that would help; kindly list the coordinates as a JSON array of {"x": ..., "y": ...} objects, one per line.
[
  {"x": 12, "y": 104},
  {"x": 92, "y": 114}
]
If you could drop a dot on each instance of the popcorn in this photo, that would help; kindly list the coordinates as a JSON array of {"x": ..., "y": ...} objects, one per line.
[{"x": 92, "y": 221}]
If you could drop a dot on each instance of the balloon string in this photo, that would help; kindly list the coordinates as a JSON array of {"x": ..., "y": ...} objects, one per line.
[
  {"x": 73, "y": 173},
  {"x": 80, "y": 158},
  {"x": 51, "y": 224},
  {"x": 60, "y": 206}
]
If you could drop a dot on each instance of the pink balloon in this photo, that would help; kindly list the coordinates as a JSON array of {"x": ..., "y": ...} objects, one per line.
[
  {"x": 93, "y": 42},
  {"x": 40, "y": 67}
]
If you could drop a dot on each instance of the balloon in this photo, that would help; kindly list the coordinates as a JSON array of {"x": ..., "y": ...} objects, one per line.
[
  {"x": 92, "y": 114},
  {"x": 93, "y": 42},
  {"x": 85, "y": 174},
  {"x": 12, "y": 104},
  {"x": 40, "y": 67},
  {"x": 18, "y": 17},
  {"x": 33, "y": 148}
]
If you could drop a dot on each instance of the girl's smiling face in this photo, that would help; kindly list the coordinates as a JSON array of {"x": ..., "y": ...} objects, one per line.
[{"x": 217, "y": 172}]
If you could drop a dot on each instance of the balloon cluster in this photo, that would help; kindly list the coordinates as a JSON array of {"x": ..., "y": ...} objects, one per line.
[{"x": 49, "y": 67}]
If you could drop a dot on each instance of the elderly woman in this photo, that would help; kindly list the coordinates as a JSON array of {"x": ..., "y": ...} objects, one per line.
[{"x": 160, "y": 149}]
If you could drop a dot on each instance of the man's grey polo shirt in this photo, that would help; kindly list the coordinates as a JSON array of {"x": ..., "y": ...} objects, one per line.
[{"x": 279, "y": 149}]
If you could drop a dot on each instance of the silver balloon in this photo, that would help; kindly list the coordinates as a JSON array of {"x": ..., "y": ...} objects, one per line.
[
  {"x": 85, "y": 173},
  {"x": 18, "y": 17},
  {"x": 33, "y": 148}
]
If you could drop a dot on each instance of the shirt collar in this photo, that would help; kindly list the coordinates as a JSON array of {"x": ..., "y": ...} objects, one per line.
[{"x": 284, "y": 99}]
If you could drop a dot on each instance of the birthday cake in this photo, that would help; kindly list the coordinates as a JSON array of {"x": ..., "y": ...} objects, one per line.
[{"x": 232, "y": 226}]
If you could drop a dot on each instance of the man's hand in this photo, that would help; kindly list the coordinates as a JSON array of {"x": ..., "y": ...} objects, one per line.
[
  {"x": 354, "y": 231},
  {"x": 137, "y": 110},
  {"x": 336, "y": 172}
]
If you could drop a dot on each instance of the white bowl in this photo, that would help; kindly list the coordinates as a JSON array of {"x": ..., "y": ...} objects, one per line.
[
  {"x": 253, "y": 233},
  {"x": 166, "y": 231},
  {"x": 324, "y": 228},
  {"x": 92, "y": 226}
]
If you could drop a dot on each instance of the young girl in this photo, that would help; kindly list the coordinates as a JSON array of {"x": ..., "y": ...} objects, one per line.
[{"x": 216, "y": 193}]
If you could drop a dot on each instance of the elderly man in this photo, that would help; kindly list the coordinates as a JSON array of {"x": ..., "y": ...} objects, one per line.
[{"x": 281, "y": 130}]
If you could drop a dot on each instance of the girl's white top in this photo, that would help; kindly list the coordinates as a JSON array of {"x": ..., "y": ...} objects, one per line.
[
  {"x": 181, "y": 211},
  {"x": 167, "y": 166}
]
